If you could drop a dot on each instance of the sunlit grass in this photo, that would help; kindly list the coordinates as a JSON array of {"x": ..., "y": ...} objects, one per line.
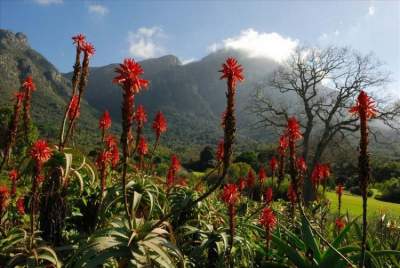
[{"x": 353, "y": 204}]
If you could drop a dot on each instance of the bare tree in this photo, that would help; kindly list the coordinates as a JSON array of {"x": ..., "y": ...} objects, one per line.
[{"x": 319, "y": 86}]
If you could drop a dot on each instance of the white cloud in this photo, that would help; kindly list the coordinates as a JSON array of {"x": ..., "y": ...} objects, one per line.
[
  {"x": 98, "y": 9},
  {"x": 259, "y": 44},
  {"x": 144, "y": 43},
  {"x": 48, "y": 2},
  {"x": 371, "y": 10},
  {"x": 186, "y": 61}
]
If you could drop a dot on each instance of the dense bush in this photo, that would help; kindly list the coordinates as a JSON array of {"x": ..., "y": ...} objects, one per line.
[
  {"x": 390, "y": 190},
  {"x": 356, "y": 190}
]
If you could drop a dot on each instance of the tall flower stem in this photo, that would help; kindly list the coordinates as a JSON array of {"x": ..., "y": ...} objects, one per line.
[
  {"x": 364, "y": 170},
  {"x": 365, "y": 108},
  {"x": 81, "y": 87},
  {"x": 128, "y": 76},
  {"x": 12, "y": 132},
  {"x": 75, "y": 78}
]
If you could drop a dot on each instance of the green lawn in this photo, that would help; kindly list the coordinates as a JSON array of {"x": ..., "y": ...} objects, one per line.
[{"x": 353, "y": 204}]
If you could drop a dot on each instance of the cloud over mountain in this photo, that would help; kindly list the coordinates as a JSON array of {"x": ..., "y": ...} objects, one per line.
[{"x": 259, "y": 44}]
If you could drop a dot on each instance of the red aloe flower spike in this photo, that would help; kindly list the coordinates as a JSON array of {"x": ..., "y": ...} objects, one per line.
[
  {"x": 12, "y": 132},
  {"x": 301, "y": 165},
  {"x": 262, "y": 175},
  {"x": 79, "y": 40},
  {"x": 129, "y": 77},
  {"x": 4, "y": 198},
  {"x": 28, "y": 86},
  {"x": 283, "y": 145},
  {"x": 268, "y": 195},
  {"x": 105, "y": 121},
  {"x": 220, "y": 151},
  {"x": 73, "y": 110},
  {"x": 268, "y": 221},
  {"x": 88, "y": 49},
  {"x": 142, "y": 147},
  {"x": 250, "y": 179},
  {"x": 112, "y": 147},
  {"x": 273, "y": 164},
  {"x": 40, "y": 152},
  {"x": 13, "y": 175},
  {"x": 129, "y": 73},
  {"x": 20, "y": 204},
  {"x": 102, "y": 161},
  {"x": 230, "y": 194},
  {"x": 242, "y": 183},
  {"x": 365, "y": 105},
  {"x": 366, "y": 109},
  {"x": 159, "y": 124},
  {"x": 232, "y": 71},
  {"x": 340, "y": 224},
  {"x": 175, "y": 164},
  {"x": 140, "y": 116},
  {"x": 293, "y": 131}
]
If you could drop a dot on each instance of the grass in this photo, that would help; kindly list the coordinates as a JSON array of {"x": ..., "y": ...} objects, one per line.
[{"x": 353, "y": 204}]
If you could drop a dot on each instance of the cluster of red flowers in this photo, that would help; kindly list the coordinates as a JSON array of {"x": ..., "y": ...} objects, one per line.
[
  {"x": 105, "y": 121},
  {"x": 129, "y": 73},
  {"x": 140, "y": 116},
  {"x": 159, "y": 124},
  {"x": 268, "y": 196},
  {"x": 143, "y": 147},
  {"x": 320, "y": 173},
  {"x": 112, "y": 147},
  {"x": 230, "y": 194},
  {"x": 232, "y": 71},
  {"x": 73, "y": 110},
  {"x": 340, "y": 224},
  {"x": 365, "y": 106},
  {"x": 301, "y": 165},
  {"x": 174, "y": 168},
  {"x": 251, "y": 179},
  {"x": 268, "y": 219},
  {"x": 20, "y": 204},
  {"x": 273, "y": 164},
  {"x": 220, "y": 151},
  {"x": 82, "y": 45},
  {"x": 40, "y": 152},
  {"x": 109, "y": 156},
  {"x": 4, "y": 198},
  {"x": 262, "y": 175},
  {"x": 28, "y": 87},
  {"x": 283, "y": 145},
  {"x": 293, "y": 131}
]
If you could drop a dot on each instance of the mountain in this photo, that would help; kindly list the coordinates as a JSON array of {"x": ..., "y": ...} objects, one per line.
[
  {"x": 192, "y": 96},
  {"x": 17, "y": 60}
]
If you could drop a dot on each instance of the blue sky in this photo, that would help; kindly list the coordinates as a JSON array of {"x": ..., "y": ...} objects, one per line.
[{"x": 191, "y": 29}]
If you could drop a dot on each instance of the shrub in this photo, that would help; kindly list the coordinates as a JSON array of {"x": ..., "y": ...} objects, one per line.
[
  {"x": 390, "y": 190},
  {"x": 356, "y": 190}
]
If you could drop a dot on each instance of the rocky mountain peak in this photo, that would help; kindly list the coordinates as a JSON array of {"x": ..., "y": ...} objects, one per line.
[{"x": 10, "y": 40}]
